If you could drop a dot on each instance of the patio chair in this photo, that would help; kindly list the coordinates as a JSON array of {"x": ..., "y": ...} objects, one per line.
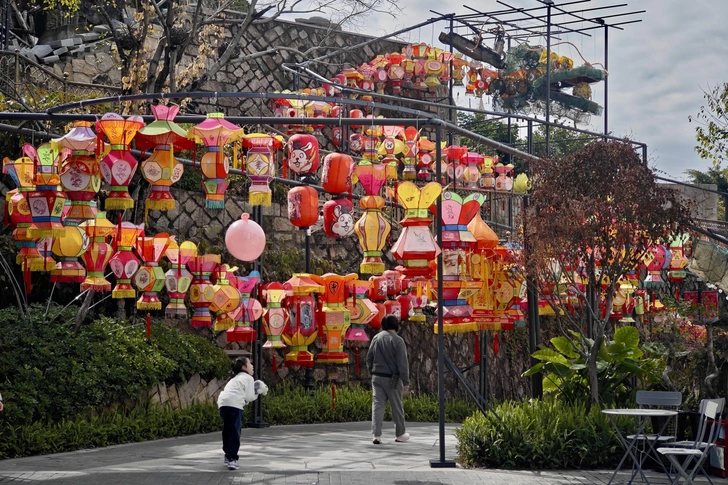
[
  {"x": 662, "y": 432},
  {"x": 694, "y": 453}
]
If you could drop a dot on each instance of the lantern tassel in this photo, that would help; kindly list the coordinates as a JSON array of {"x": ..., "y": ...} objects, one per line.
[
  {"x": 476, "y": 346},
  {"x": 284, "y": 170},
  {"x": 495, "y": 344},
  {"x": 149, "y": 326},
  {"x": 236, "y": 159},
  {"x": 356, "y": 360},
  {"x": 274, "y": 363}
]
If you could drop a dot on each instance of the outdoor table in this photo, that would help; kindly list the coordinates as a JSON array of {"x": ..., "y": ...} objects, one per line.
[{"x": 640, "y": 416}]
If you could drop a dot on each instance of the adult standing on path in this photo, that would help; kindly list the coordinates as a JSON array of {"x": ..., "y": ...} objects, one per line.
[{"x": 387, "y": 362}]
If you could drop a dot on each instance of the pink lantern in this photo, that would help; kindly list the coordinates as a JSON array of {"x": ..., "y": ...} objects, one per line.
[
  {"x": 118, "y": 166},
  {"x": 245, "y": 239},
  {"x": 247, "y": 312},
  {"x": 124, "y": 263}
]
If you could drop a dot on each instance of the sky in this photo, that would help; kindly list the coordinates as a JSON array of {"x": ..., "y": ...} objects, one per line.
[{"x": 658, "y": 68}]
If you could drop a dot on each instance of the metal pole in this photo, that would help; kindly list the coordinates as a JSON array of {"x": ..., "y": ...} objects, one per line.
[
  {"x": 483, "y": 376},
  {"x": 257, "y": 418},
  {"x": 451, "y": 100},
  {"x": 548, "y": 75},
  {"x": 308, "y": 250},
  {"x": 534, "y": 330},
  {"x": 606, "y": 80},
  {"x": 441, "y": 463}
]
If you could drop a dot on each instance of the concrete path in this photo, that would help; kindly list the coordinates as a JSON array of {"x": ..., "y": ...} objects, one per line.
[{"x": 331, "y": 454}]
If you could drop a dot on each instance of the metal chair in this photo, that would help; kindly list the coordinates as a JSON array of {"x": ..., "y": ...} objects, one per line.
[{"x": 694, "y": 453}]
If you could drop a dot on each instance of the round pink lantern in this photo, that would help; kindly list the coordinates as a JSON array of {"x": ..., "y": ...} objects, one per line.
[{"x": 245, "y": 239}]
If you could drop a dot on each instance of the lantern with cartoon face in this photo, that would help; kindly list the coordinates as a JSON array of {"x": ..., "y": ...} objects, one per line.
[{"x": 303, "y": 154}]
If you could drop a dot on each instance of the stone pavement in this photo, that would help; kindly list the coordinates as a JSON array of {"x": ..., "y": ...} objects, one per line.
[{"x": 330, "y": 454}]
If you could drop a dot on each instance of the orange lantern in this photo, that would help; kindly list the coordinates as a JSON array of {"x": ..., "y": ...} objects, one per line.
[
  {"x": 336, "y": 173},
  {"x": 303, "y": 206},
  {"x": 339, "y": 218},
  {"x": 302, "y": 329},
  {"x": 226, "y": 297},
  {"x": 99, "y": 252},
  {"x": 201, "y": 291},
  {"x": 335, "y": 317},
  {"x": 21, "y": 171},
  {"x": 150, "y": 277},
  {"x": 118, "y": 166},
  {"x": 303, "y": 154}
]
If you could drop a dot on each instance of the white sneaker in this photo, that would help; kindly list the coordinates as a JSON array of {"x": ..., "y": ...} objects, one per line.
[
  {"x": 403, "y": 438},
  {"x": 226, "y": 460},
  {"x": 233, "y": 465},
  {"x": 377, "y": 440}
]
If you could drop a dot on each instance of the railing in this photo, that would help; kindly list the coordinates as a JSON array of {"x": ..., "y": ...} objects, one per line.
[{"x": 28, "y": 82}]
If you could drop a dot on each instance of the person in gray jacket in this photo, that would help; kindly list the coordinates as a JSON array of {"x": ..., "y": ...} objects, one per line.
[{"x": 387, "y": 362}]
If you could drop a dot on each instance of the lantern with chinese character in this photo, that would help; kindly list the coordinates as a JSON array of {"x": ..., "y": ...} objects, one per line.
[
  {"x": 276, "y": 317},
  {"x": 67, "y": 249},
  {"x": 260, "y": 165},
  {"x": 215, "y": 132},
  {"x": 201, "y": 291},
  {"x": 22, "y": 173},
  {"x": 178, "y": 279},
  {"x": 416, "y": 246},
  {"x": 124, "y": 263},
  {"x": 456, "y": 241},
  {"x": 303, "y": 206},
  {"x": 248, "y": 311},
  {"x": 336, "y": 173},
  {"x": 46, "y": 202},
  {"x": 302, "y": 327},
  {"x": 150, "y": 277},
  {"x": 335, "y": 318},
  {"x": 226, "y": 297},
  {"x": 80, "y": 172},
  {"x": 362, "y": 309},
  {"x": 161, "y": 170},
  {"x": 118, "y": 166},
  {"x": 303, "y": 154},
  {"x": 372, "y": 228},
  {"x": 99, "y": 252}
]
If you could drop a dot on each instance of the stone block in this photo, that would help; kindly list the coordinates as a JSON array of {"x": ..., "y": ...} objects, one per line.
[
  {"x": 101, "y": 29},
  {"x": 81, "y": 77},
  {"x": 163, "y": 395},
  {"x": 68, "y": 43},
  {"x": 77, "y": 40},
  {"x": 213, "y": 230},
  {"x": 273, "y": 210},
  {"x": 89, "y": 36},
  {"x": 29, "y": 54},
  {"x": 174, "y": 401},
  {"x": 50, "y": 59},
  {"x": 60, "y": 51},
  {"x": 104, "y": 62},
  {"x": 282, "y": 224}
]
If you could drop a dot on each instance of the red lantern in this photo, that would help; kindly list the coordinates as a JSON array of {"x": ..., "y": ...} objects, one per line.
[
  {"x": 339, "y": 218},
  {"x": 303, "y": 154},
  {"x": 336, "y": 173},
  {"x": 124, "y": 263},
  {"x": 303, "y": 206},
  {"x": 99, "y": 252},
  {"x": 201, "y": 291}
]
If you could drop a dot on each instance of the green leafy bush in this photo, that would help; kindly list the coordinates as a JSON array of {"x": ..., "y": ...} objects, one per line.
[
  {"x": 142, "y": 423},
  {"x": 288, "y": 404},
  {"x": 49, "y": 373},
  {"x": 540, "y": 434}
]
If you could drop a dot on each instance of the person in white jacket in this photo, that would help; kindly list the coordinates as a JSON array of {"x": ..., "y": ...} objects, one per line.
[{"x": 239, "y": 391}]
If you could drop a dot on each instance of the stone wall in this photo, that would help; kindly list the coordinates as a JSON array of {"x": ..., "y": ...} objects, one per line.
[{"x": 194, "y": 391}]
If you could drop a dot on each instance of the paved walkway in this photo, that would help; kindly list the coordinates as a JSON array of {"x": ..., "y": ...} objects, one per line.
[{"x": 331, "y": 454}]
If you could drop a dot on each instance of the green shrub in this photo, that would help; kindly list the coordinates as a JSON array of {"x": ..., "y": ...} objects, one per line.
[
  {"x": 49, "y": 373},
  {"x": 542, "y": 435},
  {"x": 288, "y": 404},
  {"x": 142, "y": 423}
]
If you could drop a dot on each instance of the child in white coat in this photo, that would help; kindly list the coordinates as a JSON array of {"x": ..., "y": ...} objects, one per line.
[{"x": 239, "y": 391}]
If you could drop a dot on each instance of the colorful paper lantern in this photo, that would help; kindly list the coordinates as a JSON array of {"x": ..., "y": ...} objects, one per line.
[
  {"x": 67, "y": 249},
  {"x": 22, "y": 173},
  {"x": 362, "y": 310},
  {"x": 178, "y": 279},
  {"x": 302, "y": 328},
  {"x": 118, "y": 166},
  {"x": 276, "y": 317},
  {"x": 245, "y": 239},
  {"x": 260, "y": 165},
  {"x": 456, "y": 241},
  {"x": 80, "y": 172},
  {"x": 336, "y": 173},
  {"x": 248, "y": 311},
  {"x": 303, "y": 206},
  {"x": 226, "y": 297},
  {"x": 416, "y": 246},
  {"x": 150, "y": 277},
  {"x": 161, "y": 170},
  {"x": 410, "y": 136},
  {"x": 335, "y": 317},
  {"x": 338, "y": 218},
  {"x": 201, "y": 291},
  {"x": 124, "y": 262},
  {"x": 46, "y": 202},
  {"x": 372, "y": 228},
  {"x": 99, "y": 252},
  {"x": 471, "y": 172},
  {"x": 215, "y": 132},
  {"x": 303, "y": 154}
]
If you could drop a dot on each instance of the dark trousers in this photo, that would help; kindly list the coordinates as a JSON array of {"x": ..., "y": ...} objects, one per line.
[{"x": 232, "y": 420}]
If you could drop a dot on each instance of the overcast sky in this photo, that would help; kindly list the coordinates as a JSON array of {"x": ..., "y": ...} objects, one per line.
[{"x": 658, "y": 68}]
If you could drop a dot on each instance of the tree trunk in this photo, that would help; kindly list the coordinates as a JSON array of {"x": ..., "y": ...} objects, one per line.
[
  {"x": 83, "y": 311},
  {"x": 593, "y": 375}
]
